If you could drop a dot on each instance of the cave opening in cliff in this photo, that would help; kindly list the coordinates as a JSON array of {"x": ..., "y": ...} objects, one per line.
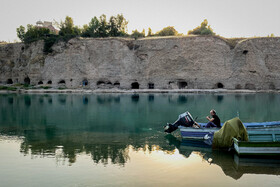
[
  {"x": 100, "y": 82},
  {"x": 182, "y": 84},
  {"x": 9, "y": 81},
  {"x": 220, "y": 85},
  {"x": 26, "y": 80},
  {"x": 245, "y": 52},
  {"x": 85, "y": 82},
  {"x": 238, "y": 86},
  {"x": 49, "y": 82},
  {"x": 40, "y": 82},
  {"x": 250, "y": 86},
  {"x": 151, "y": 85},
  {"x": 135, "y": 85},
  {"x": 117, "y": 84},
  {"x": 61, "y": 82}
]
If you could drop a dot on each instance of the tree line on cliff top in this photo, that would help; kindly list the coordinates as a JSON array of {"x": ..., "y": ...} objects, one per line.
[{"x": 116, "y": 26}]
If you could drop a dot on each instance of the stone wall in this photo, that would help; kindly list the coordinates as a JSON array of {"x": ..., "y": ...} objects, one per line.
[{"x": 162, "y": 63}]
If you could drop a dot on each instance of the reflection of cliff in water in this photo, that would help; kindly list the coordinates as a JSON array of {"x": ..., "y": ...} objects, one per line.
[{"x": 231, "y": 164}]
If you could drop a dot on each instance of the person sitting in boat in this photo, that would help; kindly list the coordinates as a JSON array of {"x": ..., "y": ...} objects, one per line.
[{"x": 214, "y": 121}]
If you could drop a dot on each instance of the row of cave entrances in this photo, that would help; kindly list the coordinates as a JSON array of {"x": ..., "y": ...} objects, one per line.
[{"x": 135, "y": 85}]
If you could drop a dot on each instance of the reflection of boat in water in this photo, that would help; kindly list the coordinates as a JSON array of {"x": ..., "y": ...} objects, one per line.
[{"x": 232, "y": 165}]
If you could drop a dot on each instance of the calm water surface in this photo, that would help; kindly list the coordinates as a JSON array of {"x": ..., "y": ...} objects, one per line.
[{"x": 118, "y": 140}]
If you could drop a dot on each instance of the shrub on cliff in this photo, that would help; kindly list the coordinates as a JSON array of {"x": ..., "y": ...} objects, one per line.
[
  {"x": 203, "y": 29},
  {"x": 32, "y": 34},
  {"x": 67, "y": 28},
  {"x": 136, "y": 34},
  {"x": 117, "y": 26},
  {"x": 167, "y": 31}
]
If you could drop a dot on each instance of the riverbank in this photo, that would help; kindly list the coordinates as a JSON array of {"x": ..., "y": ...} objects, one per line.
[{"x": 136, "y": 91}]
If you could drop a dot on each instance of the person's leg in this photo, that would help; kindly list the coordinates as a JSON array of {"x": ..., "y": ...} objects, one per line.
[{"x": 210, "y": 124}]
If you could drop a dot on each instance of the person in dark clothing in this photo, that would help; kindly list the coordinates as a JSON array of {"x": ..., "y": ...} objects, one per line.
[{"x": 214, "y": 121}]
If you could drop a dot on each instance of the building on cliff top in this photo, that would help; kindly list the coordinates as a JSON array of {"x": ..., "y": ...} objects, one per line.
[{"x": 47, "y": 24}]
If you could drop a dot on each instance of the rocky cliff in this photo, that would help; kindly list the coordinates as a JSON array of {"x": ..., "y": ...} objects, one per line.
[{"x": 161, "y": 63}]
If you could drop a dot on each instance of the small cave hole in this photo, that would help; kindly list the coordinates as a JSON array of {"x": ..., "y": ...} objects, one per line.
[
  {"x": 245, "y": 52},
  {"x": 182, "y": 84},
  {"x": 238, "y": 86},
  {"x": 220, "y": 85},
  {"x": 135, "y": 85},
  {"x": 100, "y": 82},
  {"x": 61, "y": 82},
  {"x": 250, "y": 86},
  {"x": 117, "y": 84},
  {"x": 151, "y": 85},
  {"x": 49, "y": 82},
  {"x": 27, "y": 80},
  {"x": 85, "y": 82},
  {"x": 40, "y": 82},
  {"x": 9, "y": 81}
]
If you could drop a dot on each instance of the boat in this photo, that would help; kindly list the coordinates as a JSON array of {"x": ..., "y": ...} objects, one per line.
[
  {"x": 252, "y": 129},
  {"x": 261, "y": 143},
  {"x": 185, "y": 123}
]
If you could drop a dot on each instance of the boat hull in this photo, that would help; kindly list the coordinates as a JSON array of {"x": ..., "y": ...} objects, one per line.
[
  {"x": 249, "y": 148},
  {"x": 253, "y": 131}
]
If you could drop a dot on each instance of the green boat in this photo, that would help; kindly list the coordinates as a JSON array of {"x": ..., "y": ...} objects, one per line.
[{"x": 266, "y": 143}]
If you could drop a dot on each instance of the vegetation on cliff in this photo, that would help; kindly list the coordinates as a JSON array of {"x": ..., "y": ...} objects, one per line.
[
  {"x": 203, "y": 29},
  {"x": 116, "y": 26}
]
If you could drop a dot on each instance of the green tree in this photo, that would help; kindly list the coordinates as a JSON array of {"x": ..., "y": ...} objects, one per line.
[
  {"x": 203, "y": 29},
  {"x": 21, "y": 32},
  {"x": 113, "y": 27},
  {"x": 91, "y": 30},
  {"x": 67, "y": 28},
  {"x": 167, "y": 31},
  {"x": 121, "y": 25},
  {"x": 143, "y": 32},
  {"x": 103, "y": 28},
  {"x": 150, "y": 32},
  {"x": 136, "y": 34},
  {"x": 35, "y": 33}
]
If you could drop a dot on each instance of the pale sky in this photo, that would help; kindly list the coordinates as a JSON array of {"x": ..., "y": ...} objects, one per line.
[{"x": 228, "y": 18}]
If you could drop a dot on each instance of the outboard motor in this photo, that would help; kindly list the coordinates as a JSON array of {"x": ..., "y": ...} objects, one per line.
[{"x": 184, "y": 119}]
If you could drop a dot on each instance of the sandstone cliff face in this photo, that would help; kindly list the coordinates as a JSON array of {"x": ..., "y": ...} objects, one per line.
[{"x": 163, "y": 63}]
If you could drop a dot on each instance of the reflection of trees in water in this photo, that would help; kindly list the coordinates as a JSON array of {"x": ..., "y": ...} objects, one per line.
[
  {"x": 102, "y": 147},
  {"x": 112, "y": 148}
]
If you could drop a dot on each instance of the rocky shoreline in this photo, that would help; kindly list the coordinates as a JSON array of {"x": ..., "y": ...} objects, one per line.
[{"x": 86, "y": 91}]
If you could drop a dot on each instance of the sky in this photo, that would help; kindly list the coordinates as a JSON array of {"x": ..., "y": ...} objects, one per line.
[{"x": 228, "y": 18}]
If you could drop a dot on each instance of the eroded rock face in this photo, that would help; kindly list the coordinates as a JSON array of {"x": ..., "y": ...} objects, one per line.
[{"x": 163, "y": 63}]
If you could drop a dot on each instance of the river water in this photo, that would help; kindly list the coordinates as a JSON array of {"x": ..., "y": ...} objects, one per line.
[{"x": 118, "y": 140}]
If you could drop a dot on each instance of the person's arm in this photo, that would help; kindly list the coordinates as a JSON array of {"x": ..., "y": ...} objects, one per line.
[{"x": 210, "y": 119}]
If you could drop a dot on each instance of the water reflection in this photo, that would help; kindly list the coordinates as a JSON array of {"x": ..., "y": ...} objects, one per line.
[
  {"x": 27, "y": 100},
  {"x": 113, "y": 148},
  {"x": 135, "y": 98},
  {"x": 231, "y": 164},
  {"x": 108, "y": 126}
]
